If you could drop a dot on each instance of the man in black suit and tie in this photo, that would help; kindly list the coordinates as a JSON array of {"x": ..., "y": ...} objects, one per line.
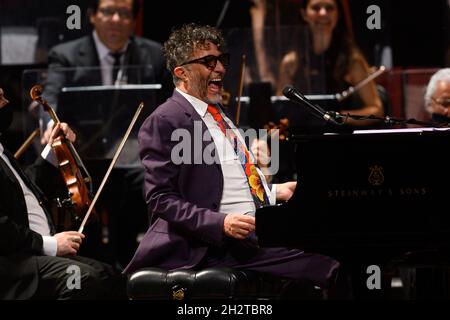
[
  {"x": 36, "y": 262},
  {"x": 114, "y": 52},
  {"x": 110, "y": 46}
]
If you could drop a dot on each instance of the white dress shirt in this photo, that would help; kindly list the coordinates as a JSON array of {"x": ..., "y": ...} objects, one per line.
[
  {"x": 36, "y": 216},
  {"x": 106, "y": 60},
  {"x": 236, "y": 196}
]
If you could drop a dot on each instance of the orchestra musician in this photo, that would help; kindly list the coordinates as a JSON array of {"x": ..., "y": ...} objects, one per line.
[
  {"x": 35, "y": 261},
  {"x": 123, "y": 58},
  {"x": 437, "y": 96},
  {"x": 112, "y": 46},
  {"x": 333, "y": 63}
]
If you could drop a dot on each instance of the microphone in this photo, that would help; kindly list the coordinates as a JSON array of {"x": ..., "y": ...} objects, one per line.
[{"x": 292, "y": 94}]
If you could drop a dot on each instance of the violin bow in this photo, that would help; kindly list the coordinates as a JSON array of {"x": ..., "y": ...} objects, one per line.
[
  {"x": 27, "y": 143},
  {"x": 346, "y": 93},
  {"x": 113, "y": 162},
  {"x": 241, "y": 87}
]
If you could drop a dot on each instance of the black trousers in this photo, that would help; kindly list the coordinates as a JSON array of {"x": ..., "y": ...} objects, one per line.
[
  {"x": 78, "y": 278},
  {"x": 127, "y": 213}
]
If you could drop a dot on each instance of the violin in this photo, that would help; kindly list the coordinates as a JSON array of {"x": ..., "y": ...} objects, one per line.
[
  {"x": 280, "y": 130},
  {"x": 78, "y": 183}
]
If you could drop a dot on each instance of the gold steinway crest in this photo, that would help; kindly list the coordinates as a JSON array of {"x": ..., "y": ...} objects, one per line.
[
  {"x": 178, "y": 294},
  {"x": 376, "y": 177}
]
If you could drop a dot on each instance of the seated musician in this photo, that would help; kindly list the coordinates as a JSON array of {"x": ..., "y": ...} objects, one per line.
[
  {"x": 437, "y": 96},
  {"x": 204, "y": 202},
  {"x": 110, "y": 55},
  {"x": 36, "y": 262},
  {"x": 332, "y": 63},
  {"x": 112, "y": 45}
]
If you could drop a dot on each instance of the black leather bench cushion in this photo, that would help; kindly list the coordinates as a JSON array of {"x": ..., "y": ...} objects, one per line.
[{"x": 211, "y": 283}]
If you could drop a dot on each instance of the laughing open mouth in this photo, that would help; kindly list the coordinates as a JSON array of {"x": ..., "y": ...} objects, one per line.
[{"x": 215, "y": 84}]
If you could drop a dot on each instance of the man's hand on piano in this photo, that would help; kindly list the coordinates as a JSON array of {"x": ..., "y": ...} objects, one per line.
[
  {"x": 285, "y": 190},
  {"x": 238, "y": 226}
]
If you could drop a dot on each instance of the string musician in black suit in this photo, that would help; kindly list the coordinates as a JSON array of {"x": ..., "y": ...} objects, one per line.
[
  {"x": 111, "y": 54},
  {"x": 35, "y": 261}
]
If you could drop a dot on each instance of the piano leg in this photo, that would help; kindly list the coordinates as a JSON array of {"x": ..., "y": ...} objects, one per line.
[
  {"x": 368, "y": 278},
  {"x": 362, "y": 284},
  {"x": 426, "y": 282},
  {"x": 424, "y": 275},
  {"x": 351, "y": 284}
]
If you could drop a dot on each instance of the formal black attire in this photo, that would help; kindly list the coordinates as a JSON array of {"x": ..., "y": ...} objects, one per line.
[{"x": 24, "y": 271}]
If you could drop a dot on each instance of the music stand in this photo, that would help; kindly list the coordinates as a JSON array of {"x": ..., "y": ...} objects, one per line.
[{"x": 100, "y": 116}]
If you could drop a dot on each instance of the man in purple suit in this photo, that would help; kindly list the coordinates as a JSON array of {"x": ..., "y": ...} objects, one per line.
[{"x": 204, "y": 190}]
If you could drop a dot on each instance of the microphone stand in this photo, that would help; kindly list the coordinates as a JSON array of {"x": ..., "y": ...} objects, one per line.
[{"x": 338, "y": 119}]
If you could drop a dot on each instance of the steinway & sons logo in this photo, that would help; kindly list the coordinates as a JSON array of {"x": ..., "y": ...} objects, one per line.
[
  {"x": 377, "y": 188},
  {"x": 376, "y": 177}
]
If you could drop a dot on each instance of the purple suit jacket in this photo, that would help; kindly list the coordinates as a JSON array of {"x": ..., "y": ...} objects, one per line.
[{"x": 184, "y": 197}]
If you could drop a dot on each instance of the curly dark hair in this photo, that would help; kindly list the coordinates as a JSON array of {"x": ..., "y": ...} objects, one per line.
[{"x": 182, "y": 42}]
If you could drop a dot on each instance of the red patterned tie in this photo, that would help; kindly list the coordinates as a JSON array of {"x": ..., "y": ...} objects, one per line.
[{"x": 253, "y": 177}]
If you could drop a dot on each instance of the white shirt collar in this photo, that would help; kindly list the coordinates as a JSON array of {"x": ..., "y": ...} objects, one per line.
[
  {"x": 102, "y": 50},
  {"x": 200, "y": 106}
]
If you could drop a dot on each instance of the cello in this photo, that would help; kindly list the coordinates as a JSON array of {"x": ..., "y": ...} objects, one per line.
[{"x": 78, "y": 182}]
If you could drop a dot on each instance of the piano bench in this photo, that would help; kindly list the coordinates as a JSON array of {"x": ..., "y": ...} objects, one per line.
[{"x": 214, "y": 283}]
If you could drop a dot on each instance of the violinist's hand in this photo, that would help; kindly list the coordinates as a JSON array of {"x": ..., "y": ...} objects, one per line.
[
  {"x": 238, "y": 226},
  {"x": 68, "y": 133},
  {"x": 68, "y": 243},
  {"x": 290, "y": 64},
  {"x": 286, "y": 190},
  {"x": 45, "y": 137},
  {"x": 260, "y": 150}
]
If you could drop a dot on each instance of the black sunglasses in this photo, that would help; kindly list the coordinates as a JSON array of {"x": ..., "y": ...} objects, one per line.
[{"x": 210, "y": 61}]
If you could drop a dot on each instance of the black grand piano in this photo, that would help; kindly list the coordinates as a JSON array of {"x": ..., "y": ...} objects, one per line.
[{"x": 365, "y": 198}]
